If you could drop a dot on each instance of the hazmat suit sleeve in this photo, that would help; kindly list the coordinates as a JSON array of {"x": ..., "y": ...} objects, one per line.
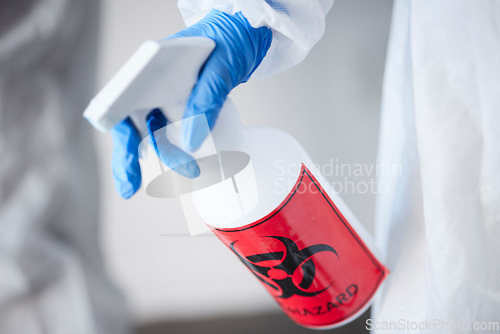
[{"x": 296, "y": 24}]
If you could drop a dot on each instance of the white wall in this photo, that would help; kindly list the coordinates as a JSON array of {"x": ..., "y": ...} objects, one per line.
[{"x": 330, "y": 103}]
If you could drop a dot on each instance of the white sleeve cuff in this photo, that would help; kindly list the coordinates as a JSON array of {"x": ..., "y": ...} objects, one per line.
[{"x": 296, "y": 24}]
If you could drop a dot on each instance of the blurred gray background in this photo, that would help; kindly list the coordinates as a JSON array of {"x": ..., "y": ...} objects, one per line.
[{"x": 330, "y": 103}]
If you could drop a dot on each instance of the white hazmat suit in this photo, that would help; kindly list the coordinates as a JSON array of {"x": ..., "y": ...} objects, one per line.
[
  {"x": 439, "y": 223},
  {"x": 51, "y": 276}
]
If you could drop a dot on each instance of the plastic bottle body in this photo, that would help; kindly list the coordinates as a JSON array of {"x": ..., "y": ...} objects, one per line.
[{"x": 292, "y": 231}]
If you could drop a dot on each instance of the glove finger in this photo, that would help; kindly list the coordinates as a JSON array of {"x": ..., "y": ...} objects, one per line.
[
  {"x": 207, "y": 97},
  {"x": 192, "y": 31},
  {"x": 172, "y": 156},
  {"x": 125, "y": 158}
]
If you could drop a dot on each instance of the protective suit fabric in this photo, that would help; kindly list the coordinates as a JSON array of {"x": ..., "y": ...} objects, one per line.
[
  {"x": 296, "y": 24},
  {"x": 52, "y": 278},
  {"x": 439, "y": 222}
]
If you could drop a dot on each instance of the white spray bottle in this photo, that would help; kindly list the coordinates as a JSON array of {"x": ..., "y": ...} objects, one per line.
[{"x": 258, "y": 191}]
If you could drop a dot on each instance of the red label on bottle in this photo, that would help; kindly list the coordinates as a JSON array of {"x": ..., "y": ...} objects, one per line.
[{"x": 308, "y": 257}]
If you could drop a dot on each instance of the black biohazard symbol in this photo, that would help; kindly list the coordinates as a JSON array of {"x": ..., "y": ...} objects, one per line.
[{"x": 280, "y": 277}]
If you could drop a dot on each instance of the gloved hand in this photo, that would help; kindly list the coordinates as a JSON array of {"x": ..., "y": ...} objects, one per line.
[{"x": 239, "y": 49}]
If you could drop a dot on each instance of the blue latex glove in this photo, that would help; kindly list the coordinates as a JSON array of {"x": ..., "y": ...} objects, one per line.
[{"x": 239, "y": 50}]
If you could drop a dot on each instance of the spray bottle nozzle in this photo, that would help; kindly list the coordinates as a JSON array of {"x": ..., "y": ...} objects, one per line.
[{"x": 160, "y": 74}]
